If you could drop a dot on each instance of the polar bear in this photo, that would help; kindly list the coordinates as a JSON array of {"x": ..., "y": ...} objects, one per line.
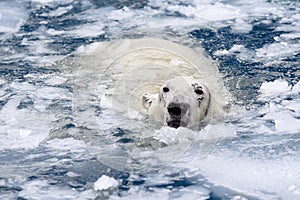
[
  {"x": 184, "y": 102},
  {"x": 184, "y": 85}
]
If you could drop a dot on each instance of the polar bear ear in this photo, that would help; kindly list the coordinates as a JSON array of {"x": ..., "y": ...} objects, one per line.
[
  {"x": 148, "y": 99},
  {"x": 227, "y": 107}
]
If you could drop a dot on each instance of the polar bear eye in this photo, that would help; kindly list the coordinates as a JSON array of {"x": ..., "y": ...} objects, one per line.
[
  {"x": 199, "y": 91},
  {"x": 166, "y": 89}
]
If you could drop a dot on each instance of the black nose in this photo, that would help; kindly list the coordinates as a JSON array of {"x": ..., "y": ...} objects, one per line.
[{"x": 177, "y": 110}]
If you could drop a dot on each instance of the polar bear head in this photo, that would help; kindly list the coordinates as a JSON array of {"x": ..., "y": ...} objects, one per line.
[{"x": 181, "y": 101}]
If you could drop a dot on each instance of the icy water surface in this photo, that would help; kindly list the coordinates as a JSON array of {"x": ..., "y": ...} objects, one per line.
[{"x": 58, "y": 144}]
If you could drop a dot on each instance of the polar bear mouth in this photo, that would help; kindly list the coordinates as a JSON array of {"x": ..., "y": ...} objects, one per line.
[
  {"x": 176, "y": 113},
  {"x": 175, "y": 123}
]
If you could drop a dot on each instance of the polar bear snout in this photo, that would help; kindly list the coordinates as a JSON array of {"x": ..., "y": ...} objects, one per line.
[
  {"x": 177, "y": 110},
  {"x": 177, "y": 115}
]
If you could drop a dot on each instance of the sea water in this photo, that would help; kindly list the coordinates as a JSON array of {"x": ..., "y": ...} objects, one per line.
[{"x": 48, "y": 152}]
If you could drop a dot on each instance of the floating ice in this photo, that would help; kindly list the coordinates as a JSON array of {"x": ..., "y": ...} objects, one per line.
[
  {"x": 105, "y": 182},
  {"x": 24, "y": 118},
  {"x": 52, "y": 31},
  {"x": 24, "y": 132},
  {"x": 12, "y": 16},
  {"x": 266, "y": 179},
  {"x": 60, "y": 11},
  {"x": 296, "y": 87},
  {"x": 190, "y": 193},
  {"x": 67, "y": 144},
  {"x": 274, "y": 88},
  {"x": 88, "y": 30},
  {"x": 42, "y": 189},
  {"x": 50, "y": 1},
  {"x": 291, "y": 25},
  {"x": 19, "y": 128},
  {"x": 284, "y": 121},
  {"x": 43, "y": 1},
  {"x": 188, "y": 11},
  {"x": 56, "y": 80},
  {"x": 86, "y": 49},
  {"x": 173, "y": 136},
  {"x": 2, "y": 82},
  {"x": 124, "y": 13},
  {"x": 290, "y": 36},
  {"x": 73, "y": 174},
  {"x": 136, "y": 193},
  {"x": 282, "y": 114},
  {"x": 217, "y": 12},
  {"x": 217, "y": 131},
  {"x": 241, "y": 26},
  {"x": 181, "y": 135},
  {"x": 277, "y": 50}
]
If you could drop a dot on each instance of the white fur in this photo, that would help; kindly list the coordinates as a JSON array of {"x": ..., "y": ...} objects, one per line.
[
  {"x": 131, "y": 68},
  {"x": 202, "y": 107}
]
